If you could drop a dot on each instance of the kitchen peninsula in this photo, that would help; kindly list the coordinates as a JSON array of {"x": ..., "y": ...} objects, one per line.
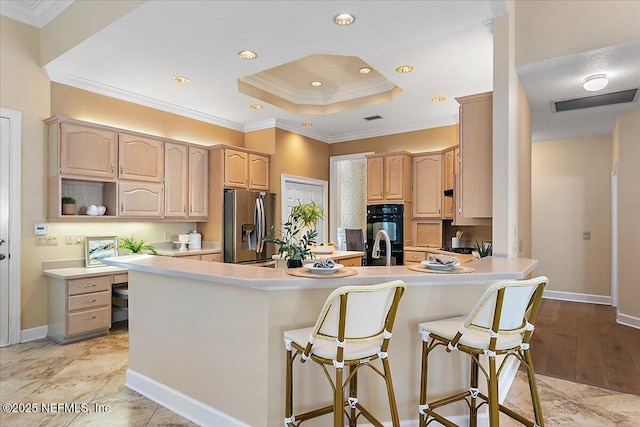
[{"x": 206, "y": 338}]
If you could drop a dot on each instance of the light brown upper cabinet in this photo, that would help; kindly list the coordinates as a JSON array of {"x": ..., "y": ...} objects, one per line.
[
  {"x": 449, "y": 169},
  {"x": 83, "y": 151},
  {"x": 141, "y": 199},
  {"x": 186, "y": 181},
  {"x": 140, "y": 158},
  {"x": 427, "y": 185},
  {"x": 474, "y": 189},
  {"x": 198, "y": 182},
  {"x": 389, "y": 178},
  {"x": 175, "y": 180},
  {"x": 246, "y": 170},
  {"x": 258, "y": 172}
]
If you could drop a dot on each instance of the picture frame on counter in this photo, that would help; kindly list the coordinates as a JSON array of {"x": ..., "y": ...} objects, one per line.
[{"x": 98, "y": 248}]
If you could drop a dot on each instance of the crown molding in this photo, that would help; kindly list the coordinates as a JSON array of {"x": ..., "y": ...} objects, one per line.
[
  {"x": 124, "y": 95},
  {"x": 36, "y": 13}
]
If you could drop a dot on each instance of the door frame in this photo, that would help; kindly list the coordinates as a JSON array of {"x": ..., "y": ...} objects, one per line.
[
  {"x": 614, "y": 236},
  {"x": 302, "y": 180},
  {"x": 15, "y": 147}
]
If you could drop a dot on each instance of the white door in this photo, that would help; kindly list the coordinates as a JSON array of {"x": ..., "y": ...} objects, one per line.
[
  {"x": 4, "y": 231},
  {"x": 301, "y": 190},
  {"x": 10, "y": 136}
]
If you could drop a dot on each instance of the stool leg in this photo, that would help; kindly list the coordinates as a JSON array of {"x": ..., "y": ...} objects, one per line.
[
  {"x": 494, "y": 404},
  {"x": 535, "y": 398},
  {"x": 353, "y": 392},
  {"x": 423, "y": 381},
  {"x": 338, "y": 400},
  {"x": 395, "y": 419},
  {"x": 288, "y": 406},
  {"x": 473, "y": 384}
]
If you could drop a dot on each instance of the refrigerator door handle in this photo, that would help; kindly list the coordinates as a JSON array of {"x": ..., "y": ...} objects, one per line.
[
  {"x": 256, "y": 223},
  {"x": 263, "y": 225}
]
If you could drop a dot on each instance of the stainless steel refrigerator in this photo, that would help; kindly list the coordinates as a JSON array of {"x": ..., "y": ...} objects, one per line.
[{"x": 248, "y": 217}]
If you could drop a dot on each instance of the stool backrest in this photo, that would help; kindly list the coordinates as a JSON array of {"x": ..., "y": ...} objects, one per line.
[
  {"x": 356, "y": 313},
  {"x": 508, "y": 306},
  {"x": 355, "y": 239}
]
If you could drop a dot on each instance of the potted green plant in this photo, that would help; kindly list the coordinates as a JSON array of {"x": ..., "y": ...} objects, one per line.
[
  {"x": 298, "y": 233},
  {"x": 136, "y": 246},
  {"x": 484, "y": 249},
  {"x": 68, "y": 205}
]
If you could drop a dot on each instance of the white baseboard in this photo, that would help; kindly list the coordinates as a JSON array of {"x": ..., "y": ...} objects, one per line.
[
  {"x": 206, "y": 415},
  {"x": 625, "y": 319},
  {"x": 576, "y": 297},
  {"x": 180, "y": 403},
  {"x": 33, "y": 334}
]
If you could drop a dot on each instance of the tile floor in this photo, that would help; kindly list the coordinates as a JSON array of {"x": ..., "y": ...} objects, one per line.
[{"x": 44, "y": 372}]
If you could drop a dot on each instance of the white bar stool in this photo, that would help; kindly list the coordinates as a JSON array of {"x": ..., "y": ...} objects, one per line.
[
  {"x": 501, "y": 323},
  {"x": 354, "y": 330}
]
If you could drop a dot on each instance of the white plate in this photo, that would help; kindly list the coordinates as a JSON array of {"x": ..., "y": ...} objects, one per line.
[
  {"x": 324, "y": 249},
  {"x": 437, "y": 266},
  {"x": 320, "y": 270}
]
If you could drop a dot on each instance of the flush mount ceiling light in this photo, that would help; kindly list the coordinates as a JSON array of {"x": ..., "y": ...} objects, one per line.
[
  {"x": 439, "y": 98},
  {"x": 306, "y": 125},
  {"x": 180, "y": 79},
  {"x": 364, "y": 70},
  {"x": 344, "y": 19},
  {"x": 404, "y": 69},
  {"x": 256, "y": 107},
  {"x": 595, "y": 82},
  {"x": 247, "y": 54},
  {"x": 315, "y": 83}
]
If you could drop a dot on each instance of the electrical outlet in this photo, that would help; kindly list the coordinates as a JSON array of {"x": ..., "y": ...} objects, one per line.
[
  {"x": 79, "y": 239},
  {"x": 52, "y": 240},
  {"x": 41, "y": 240},
  {"x": 586, "y": 235},
  {"x": 70, "y": 239}
]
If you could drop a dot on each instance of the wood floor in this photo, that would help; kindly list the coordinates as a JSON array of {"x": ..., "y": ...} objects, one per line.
[{"x": 582, "y": 342}]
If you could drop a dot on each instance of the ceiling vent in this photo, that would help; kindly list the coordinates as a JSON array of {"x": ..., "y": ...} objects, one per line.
[
  {"x": 372, "y": 118},
  {"x": 594, "y": 101}
]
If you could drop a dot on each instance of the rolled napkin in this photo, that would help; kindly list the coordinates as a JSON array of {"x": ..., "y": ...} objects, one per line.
[
  {"x": 325, "y": 263},
  {"x": 443, "y": 259}
]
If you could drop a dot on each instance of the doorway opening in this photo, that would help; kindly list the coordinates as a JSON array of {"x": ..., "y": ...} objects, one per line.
[{"x": 348, "y": 176}]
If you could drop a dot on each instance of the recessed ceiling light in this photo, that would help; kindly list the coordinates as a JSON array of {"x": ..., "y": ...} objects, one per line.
[
  {"x": 247, "y": 54},
  {"x": 306, "y": 125},
  {"x": 595, "y": 82},
  {"x": 404, "y": 69},
  {"x": 315, "y": 83},
  {"x": 364, "y": 70},
  {"x": 180, "y": 79},
  {"x": 256, "y": 106},
  {"x": 439, "y": 98},
  {"x": 344, "y": 19}
]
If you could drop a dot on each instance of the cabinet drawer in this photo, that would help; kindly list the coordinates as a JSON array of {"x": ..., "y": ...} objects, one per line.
[
  {"x": 414, "y": 256},
  {"x": 121, "y": 278},
  {"x": 351, "y": 262},
  {"x": 88, "y": 321},
  {"x": 85, "y": 301},
  {"x": 211, "y": 257},
  {"x": 89, "y": 284}
]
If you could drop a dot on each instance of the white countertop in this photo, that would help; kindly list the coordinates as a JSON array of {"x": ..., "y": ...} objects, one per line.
[
  {"x": 270, "y": 279},
  {"x": 81, "y": 272}
]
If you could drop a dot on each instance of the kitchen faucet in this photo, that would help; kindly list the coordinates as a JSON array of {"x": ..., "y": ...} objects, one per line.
[{"x": 375, "y": 252}]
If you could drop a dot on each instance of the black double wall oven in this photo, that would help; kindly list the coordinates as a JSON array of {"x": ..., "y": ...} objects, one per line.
[{"x": 389, "y": 218}]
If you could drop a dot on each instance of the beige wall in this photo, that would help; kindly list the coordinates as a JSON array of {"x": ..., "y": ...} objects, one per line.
[
  {"x": 88, "y": 106},
  {"x": 571, "y": 193},
  {"x": 23, "y": 87},
  {"x": 550, "y": 29},
  {"x": 628, "y": 135},
  {"x": 524, "y": 174},
  {"x": 414, "y": 142}
]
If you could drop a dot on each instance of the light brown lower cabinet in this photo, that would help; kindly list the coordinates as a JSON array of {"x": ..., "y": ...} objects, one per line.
[{"x": 80, "y": 308}]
